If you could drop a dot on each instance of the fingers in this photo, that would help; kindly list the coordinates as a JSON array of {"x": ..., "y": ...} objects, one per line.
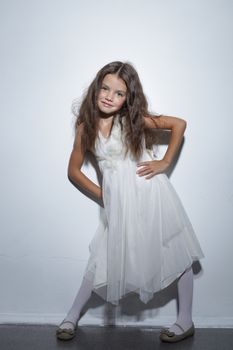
[
  {"x": 149, "y": 168},
  {"x": 150, "y": 176},
  {"x": 143, "y": 163},
  {"x": 145, "y": 171}
]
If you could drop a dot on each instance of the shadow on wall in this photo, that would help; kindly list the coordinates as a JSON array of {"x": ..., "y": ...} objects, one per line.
[{"x": 131, "y": 305}]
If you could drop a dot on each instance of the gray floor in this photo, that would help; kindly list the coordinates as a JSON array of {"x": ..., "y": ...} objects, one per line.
[{"x": 31, "y": 337}]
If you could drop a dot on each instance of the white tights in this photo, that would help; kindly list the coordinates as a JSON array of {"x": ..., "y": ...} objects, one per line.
[
  {"x": 80, "y": 300},
  {"x": 185, "y": 296}
]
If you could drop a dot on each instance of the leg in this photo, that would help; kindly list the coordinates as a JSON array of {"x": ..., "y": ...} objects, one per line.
[
  {"x": 80, "y": 300},
  {"x": 185, "y": 298}
]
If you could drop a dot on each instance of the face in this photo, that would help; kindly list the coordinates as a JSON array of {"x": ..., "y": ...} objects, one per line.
[{"x": 112, "y": 94}]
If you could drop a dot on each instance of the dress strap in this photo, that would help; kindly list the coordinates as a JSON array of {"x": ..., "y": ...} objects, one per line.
[{"x": 182, "y": 329}]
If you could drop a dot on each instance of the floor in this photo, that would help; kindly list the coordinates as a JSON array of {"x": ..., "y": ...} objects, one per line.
[{"x": 31, "y": 337}]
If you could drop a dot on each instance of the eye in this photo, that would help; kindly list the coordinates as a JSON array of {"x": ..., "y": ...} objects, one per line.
[
  {"x": 104, "y": 88},
  {"x": 120, "y": 94}
]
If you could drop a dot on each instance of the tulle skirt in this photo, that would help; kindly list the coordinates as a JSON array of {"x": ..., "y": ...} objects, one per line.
[{"x": 144, "y": 240}]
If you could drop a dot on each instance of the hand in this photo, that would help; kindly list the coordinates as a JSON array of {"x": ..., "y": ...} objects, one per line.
[{"x": 152, "y": 167}]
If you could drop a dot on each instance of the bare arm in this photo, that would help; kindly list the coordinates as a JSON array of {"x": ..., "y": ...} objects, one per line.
[
  {"x": 177, "y": 127},
  {"x": 74, "y": 168}
]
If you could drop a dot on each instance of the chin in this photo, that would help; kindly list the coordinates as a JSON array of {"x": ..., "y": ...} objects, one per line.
[{"x": 105, "y": 113}]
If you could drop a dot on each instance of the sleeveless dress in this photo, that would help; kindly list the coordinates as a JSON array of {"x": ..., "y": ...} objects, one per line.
[{"x": 144, "y": 240}]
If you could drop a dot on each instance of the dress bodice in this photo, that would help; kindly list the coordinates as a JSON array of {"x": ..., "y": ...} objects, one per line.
[{"x": 112, "y": 150}]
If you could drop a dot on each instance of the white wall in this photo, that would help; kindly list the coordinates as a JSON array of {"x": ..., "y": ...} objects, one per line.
[{"x": 50, "y": 52}]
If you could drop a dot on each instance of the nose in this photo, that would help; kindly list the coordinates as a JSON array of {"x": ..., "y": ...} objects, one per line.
[{"x": 109, "y": 96}]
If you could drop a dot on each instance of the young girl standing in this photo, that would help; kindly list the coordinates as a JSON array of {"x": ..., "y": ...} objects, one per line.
[{"x": 144, "y": 240}]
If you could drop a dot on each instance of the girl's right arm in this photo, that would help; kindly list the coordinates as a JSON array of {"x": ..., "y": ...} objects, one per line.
[{"x": 75, "y": 164}]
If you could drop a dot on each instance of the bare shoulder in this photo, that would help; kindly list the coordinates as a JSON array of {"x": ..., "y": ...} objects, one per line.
[{"x": 163, "y": 122}]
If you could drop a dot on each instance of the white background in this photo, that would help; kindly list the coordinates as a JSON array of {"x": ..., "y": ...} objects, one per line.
[{"x": 50, "y": 52}]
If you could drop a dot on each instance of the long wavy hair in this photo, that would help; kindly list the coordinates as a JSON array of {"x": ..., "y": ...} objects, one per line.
[{"x": 134, "y": 109}]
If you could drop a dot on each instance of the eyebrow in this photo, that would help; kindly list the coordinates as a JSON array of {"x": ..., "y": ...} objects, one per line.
[{"x": 116, "y": 90}]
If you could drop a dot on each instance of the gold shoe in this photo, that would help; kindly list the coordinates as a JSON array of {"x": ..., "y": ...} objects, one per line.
[
  {"x": 171, "y": 337},
  {"x": 66, "y": 333}
]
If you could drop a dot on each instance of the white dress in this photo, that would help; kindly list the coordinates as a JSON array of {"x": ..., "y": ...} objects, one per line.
[{"x": 144, "y": 240}]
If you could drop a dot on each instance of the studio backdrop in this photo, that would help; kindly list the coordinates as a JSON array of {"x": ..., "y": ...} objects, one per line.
[{"x": 50, "y": 52}]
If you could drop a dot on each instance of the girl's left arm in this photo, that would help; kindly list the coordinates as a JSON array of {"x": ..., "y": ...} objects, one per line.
[{"x": 177, "y": 127}]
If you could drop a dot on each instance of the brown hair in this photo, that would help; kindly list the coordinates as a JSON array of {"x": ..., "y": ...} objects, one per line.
[{"x": 134, "y": 108}]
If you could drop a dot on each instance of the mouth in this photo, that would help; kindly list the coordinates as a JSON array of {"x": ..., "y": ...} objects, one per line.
[{"x": 106, "y": 104}]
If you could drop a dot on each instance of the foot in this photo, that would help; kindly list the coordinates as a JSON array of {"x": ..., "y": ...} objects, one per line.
[
  {"x": 180, "y": 327},
  {"x": 176, "y": 333},
  {"x": 66, "y": 330}
]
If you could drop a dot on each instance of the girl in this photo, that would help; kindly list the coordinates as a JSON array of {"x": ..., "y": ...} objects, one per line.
[{"x": 144, "y": 240}]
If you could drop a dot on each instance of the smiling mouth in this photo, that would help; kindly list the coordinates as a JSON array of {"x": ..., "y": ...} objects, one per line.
[{"x": 106, "y": 104}]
